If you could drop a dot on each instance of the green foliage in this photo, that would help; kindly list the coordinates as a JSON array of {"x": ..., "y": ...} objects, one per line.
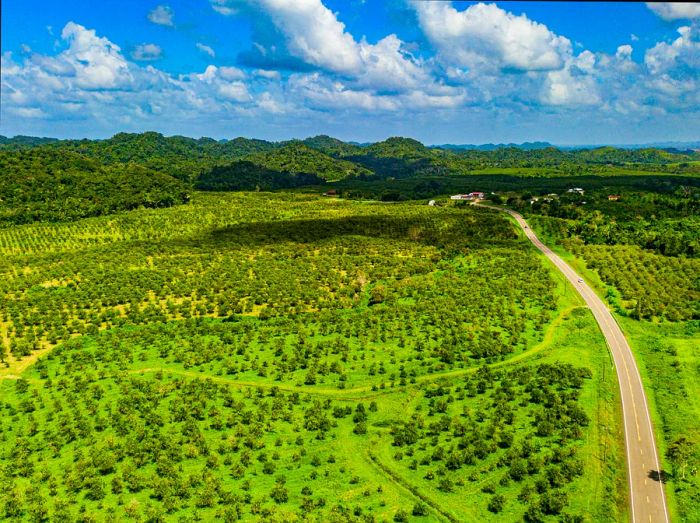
[
  {"x": 298, "y": 159},
  {"x": 47, "y": 185},
  {"x": 178, "y": 381},
  {"x": 244, "y": 175}
]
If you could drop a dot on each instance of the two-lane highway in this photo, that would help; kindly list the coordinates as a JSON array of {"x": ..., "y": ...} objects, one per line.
[{"x": 647, "y": 499}]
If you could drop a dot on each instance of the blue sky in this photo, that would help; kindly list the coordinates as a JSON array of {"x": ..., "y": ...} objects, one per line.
[{"x": 457, "y": 72}]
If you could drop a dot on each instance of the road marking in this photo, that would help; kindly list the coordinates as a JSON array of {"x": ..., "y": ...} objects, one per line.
[{"x": 621, "y": 353}]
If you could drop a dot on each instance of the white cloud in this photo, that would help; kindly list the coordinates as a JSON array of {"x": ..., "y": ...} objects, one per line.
[
  {"x": 684, "y": 51},
  {"x": 92, "y": 80},
  {"x": 89, "y": 79},
  {"x": 231, "y": 73},
  {"x": 162, "y": 15},
  {"x": 30, "y": 112},
  {"x": 221, "y": 7},
  {"x": 146, "y": 52},
  {"x": 318, "y": 91},
  {"x": 573, "y": 85},
  {"x": 624, "y": 51},
  {"x": 314, "y": 34},
  {"x": 671, "y": 11},
  {"x": 236, "y": 91},
  {"x": 270, "y": 75},
  {"x": 97, "y": 62},
  {"x": 485, "y": 36},
  {"x": 206, "y": 49}
]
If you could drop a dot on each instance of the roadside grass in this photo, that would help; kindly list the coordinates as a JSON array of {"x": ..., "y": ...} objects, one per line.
[
  {"x": 668, "y": 358},
  {"x": 669, "y": 362}
]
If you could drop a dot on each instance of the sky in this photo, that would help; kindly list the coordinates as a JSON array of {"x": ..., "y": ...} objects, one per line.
[{"x": 362, "y": 70}]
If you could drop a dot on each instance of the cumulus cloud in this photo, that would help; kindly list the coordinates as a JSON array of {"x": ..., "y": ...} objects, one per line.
[
  {"x": 162, "y": 15},
  {"x": 683, "y": 53},
  {"x": 314, "y": 35},
  {"x": 573, "y": 85},
  {"x": 675, "y": 68},
  {"x": 206, "y": 49},
  {"x": 476, "y": 52},
  {"x": 484, "y": 36},
  {"x": 96, "y": 62},
  {"x": 91, "y": 79},
  {"x": 671, "y": 11},
  {"x": 146, "y": 52},
  {"x": 318, "y": 91}
]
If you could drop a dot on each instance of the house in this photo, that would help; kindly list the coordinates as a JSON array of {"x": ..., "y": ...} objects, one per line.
[
  {"x": 470, "y": 196},
  {"x": 330, "y": 192},
  {"x": 576, "y": 190},
  {"x": 613, "y": 197}
]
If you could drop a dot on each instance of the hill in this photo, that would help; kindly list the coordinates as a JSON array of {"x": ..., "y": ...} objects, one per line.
[
  {"x": 298, "y": 158},
  {"x": 526, "y": 146},
  {"x": 20, "y": 142},
  {"x": 243, "y": 175},
  {"x": 58, "y": 185},
  {"x": 332, "y": 146}
]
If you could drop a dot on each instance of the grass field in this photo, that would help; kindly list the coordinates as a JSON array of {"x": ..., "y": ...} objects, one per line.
[{"x": 287, "y": 358}]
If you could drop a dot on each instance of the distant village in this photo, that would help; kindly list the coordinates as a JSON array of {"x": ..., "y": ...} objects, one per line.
[{"x": 477, "y": 195}]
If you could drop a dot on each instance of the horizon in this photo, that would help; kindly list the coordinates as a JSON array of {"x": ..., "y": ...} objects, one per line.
[
  {"x": 444, "y": 73},
  {"x": 665, "y": 143}
]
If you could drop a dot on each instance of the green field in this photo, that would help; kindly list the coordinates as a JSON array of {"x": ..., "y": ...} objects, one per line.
[{"x": 291, "y": 357}]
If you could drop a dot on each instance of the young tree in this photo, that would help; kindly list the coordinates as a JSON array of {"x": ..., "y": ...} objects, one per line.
[{"x": 680, "y": 453}]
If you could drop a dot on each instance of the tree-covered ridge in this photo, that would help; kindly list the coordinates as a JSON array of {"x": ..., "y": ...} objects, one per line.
[
  {"x": 298, "y": 158},
  {"x": 57, "y": 185},
  {"x": 244, "y": 175},
  {"x": 179, "y": 156},
  {"x": 20, "y": 141},
  {"x": 397, "y": 157},
  {"x": 332, "y": 146}
]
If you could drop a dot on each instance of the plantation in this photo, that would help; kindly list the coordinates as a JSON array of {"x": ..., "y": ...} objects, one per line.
[{"x": 290, "y": 357}]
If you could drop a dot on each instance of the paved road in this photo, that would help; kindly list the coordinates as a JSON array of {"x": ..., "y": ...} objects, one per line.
[{"x": 647, "y": 499}]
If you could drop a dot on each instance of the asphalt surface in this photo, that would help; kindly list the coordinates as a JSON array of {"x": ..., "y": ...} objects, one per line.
[{"x": 646, "y": 492}]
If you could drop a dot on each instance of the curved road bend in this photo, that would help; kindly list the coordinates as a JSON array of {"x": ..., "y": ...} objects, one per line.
[{"x": 647, "y": 499}]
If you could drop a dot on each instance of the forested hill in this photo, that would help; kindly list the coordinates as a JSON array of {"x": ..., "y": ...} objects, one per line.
[
  {"x": 299, "y": 158},
  {"x": 331, "y": 159},
  {"x": 49, "y": 179},
  {"x": 45, "y": 184}
]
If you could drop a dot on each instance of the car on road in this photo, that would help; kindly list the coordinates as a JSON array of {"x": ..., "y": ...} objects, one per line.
[{"x": 580, "y": 280}]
